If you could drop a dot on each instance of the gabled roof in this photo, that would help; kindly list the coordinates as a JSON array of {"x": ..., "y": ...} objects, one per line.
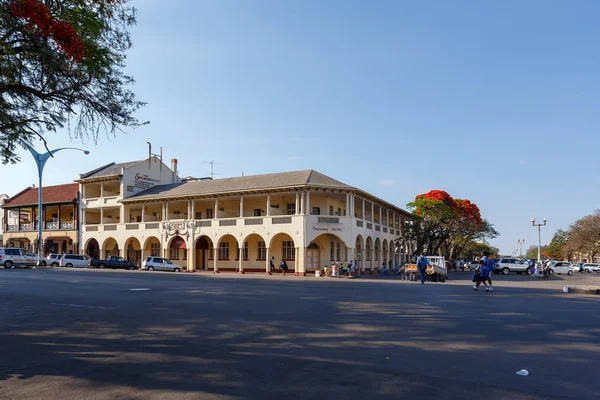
[
  {"x": 50, "y": 195},
  {"x": 241, "y": 184},
  {"x": 108, "y": 170}
]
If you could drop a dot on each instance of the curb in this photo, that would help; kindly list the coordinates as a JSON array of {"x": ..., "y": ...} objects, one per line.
[{"x": 582, "y": 289}]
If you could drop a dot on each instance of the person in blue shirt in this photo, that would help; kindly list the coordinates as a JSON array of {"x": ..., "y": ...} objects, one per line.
[
  {"x": 484, "y": 275},
  {"x": 422, "y": 263}
]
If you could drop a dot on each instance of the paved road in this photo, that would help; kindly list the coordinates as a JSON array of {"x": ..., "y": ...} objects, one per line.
[{"x": 85, "y": 334}]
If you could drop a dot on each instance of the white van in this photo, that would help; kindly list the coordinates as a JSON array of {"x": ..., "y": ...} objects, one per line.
[
  {"x": 75, "y": 260},
  {"x": 14, "y": 256}
]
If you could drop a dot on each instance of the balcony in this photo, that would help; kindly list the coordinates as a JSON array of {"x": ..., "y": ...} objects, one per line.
[{"x": 48, "y": 226}]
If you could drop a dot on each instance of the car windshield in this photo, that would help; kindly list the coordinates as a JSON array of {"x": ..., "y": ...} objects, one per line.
[
  {"x": 28, "y": 253},
  {"x": 168, "y": 262}
]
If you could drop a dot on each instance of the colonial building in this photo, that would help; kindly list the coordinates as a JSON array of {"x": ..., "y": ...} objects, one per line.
[
  {"x": 60, "y": 217},
  {"x": 237, "y": 224}
]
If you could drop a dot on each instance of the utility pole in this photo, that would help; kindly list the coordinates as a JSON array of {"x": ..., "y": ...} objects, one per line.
[{"x": 539, "y": 226}]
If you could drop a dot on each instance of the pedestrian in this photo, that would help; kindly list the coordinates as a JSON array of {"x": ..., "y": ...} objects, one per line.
[
  {"x": 272, "y": 264},
  {"x": 283, "y": 266},
  {"x": 484, "y": 275},
  {"x": 422, "y": 263}
]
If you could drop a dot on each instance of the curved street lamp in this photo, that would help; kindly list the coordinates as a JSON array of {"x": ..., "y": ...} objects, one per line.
[{"x": 40, "y": 161}]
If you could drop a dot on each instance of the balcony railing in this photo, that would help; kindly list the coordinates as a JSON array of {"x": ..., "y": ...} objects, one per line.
[
  {"x": 281, "y": 220},
  {"x": 329, "y": 220},
  {"x": 51, "y": 225},
  {"x": 359, "y": 223},
  {"x": 369, "y": 225}
]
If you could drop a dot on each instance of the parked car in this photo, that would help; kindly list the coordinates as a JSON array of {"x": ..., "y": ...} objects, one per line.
[
  {"x": 562, "y": 267},
  {"x": 160, "y": 264},
  {"x": 589, "y": 267},
  {"x": 13, "y": 256},
  {"x": 113, "y": 262},
  {"x": 508, "y": 265},
  {"x": 53, "y": 259},
  {"x": 473, "y": 265},
  {"x": 75, "y": 260}
]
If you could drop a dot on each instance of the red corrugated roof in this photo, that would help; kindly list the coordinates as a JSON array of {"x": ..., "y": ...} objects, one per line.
[{"x": 50, "y": 194}]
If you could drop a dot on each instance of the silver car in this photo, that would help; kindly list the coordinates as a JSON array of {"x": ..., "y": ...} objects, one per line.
[
  {"x": 589, "y": 267},
  {"x": 75, "y": 260},
  {"x": 160, "y": 264},
  {"x": 13, "y": 256}
]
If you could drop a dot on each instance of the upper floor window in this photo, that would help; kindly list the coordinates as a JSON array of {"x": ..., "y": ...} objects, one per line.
[
  {"x": 257, "y": 212},
  {"x": 209, "y": 213},
  {"x": 330, "y": 210},
  {"x": 291, "y": 208},
  {"x": 316, "y": 211}
]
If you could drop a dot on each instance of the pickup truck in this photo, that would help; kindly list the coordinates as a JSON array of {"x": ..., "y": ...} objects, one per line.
[
  {"x": 436, "y": 271},
  {"x": 113, "y": 262}
]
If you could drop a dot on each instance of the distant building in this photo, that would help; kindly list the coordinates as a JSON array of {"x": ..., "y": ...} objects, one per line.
[{"x": 60, "y": 217}]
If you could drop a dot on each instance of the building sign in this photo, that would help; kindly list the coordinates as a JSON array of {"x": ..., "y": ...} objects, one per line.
[
  {"x": 143, "y": 181},
  {"x": 328, "y": 228}
]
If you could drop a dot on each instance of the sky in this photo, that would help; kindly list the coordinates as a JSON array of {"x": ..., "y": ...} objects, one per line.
[{"x": 493, "y": 101}]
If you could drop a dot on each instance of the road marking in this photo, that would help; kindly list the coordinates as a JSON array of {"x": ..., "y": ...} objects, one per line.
[
  {"x": 83, "y": 306},
  {"x": 139, "y": 289}
]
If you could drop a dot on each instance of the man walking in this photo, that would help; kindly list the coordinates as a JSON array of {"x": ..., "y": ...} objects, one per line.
[
  {"x": 422, "y": 263},
  {"x": 490, "y": 266}
]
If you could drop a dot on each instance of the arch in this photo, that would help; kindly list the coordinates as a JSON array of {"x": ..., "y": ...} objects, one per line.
[
  {"x": 283, "y": 247},
  {"x": 133, "y": 250},
  {"x": 177, "y": 248},
  {"x": 368, "y": 250},
  {"x": 203, "y": 252},
  {"x": 152, "y": 247},
  {"x": 110, "y": 247},
  {"x": 254, "y": 253},
  {"x": 92, "y": 248},
  {"x": 227, "y": 253}
]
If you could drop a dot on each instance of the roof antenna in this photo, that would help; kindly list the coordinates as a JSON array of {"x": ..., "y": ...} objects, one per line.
[
  {"x": 212, "y": 169},
  {"x": 150, "y": 154}
]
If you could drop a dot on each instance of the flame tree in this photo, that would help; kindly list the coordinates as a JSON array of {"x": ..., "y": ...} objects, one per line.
[
  {"x": 445, "y": 225},
  {"x": 61, "y": 64}
]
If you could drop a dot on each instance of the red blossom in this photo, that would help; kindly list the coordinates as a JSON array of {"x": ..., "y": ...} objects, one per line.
[
  {"x": 463, "y": 208},
  {"x": 41, "y": 23}
]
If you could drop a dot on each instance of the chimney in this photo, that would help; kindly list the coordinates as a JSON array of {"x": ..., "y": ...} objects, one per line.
[{"x": 174, "y": 169}]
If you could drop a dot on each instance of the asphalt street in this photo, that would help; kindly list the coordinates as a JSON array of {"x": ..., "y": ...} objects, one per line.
[{"x": 91, "y": 334}]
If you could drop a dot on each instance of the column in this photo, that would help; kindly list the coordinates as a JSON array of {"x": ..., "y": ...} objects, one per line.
[
  {"x": 363, "y": 209},
  {"x": 268, "y": 205},
  {"x": 190, "y": 259},
  {"x": 216, "y": 213},
  {"x": 189, "y": 212},
  {"x": 308, "y": 211},
  {"x": 166, "y": 211},
  {"x": 297, "y": 203},
  {"x": 143, "y": 212},
  {"x": 347, "y": 204},
  {"x": 83, "y": 217},
  {"x": 58, "y": 216},
  {"x": 101, "y": 215},
  {"x": 380, "y": 216},
  {"x": 302, "y": 205},
  {"x": 215, "y": 258},
  {"x": 193, "y": 216},
  {"x": 267, "y": 265},
  {"x": 297, "y": 271},
  {"x": 351, "y": 205},
  {"x": 241, "y": 260},
  {"x": 241, "y": 206},
  {"x": 101, "y": 189},
  {"x": 372, "y": 212},
  {"x": 387, "y": 218}
]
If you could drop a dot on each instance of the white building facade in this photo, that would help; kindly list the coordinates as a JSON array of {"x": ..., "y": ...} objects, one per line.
[{"x": 237, "y": 224}]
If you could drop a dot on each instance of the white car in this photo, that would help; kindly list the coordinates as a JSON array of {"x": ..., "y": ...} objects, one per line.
[
  {"x": 508, "y": 265},
  {"x": 160, "y": 264},
  {"x": 591, "y": 267},
  {"x": 473, "y": 265},
  {"x": 75, "y": 260},
  {"x": 13, "y": 256},
  {"x": 562, "y": 267}
]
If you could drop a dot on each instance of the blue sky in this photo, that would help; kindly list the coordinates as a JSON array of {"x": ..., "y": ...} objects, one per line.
[{"x": 496, "y": 102}]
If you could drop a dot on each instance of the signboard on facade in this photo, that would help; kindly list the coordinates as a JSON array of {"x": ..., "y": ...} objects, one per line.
[
  {"x": 143, "y": 181},
  {"x": 328, "y": 228}
]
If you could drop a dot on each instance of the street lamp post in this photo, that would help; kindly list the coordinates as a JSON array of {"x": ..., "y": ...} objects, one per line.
[
  {"x": 539, "y": 226},
  {"x": 521, "y": 243},
  {"x": 40, "y": 161}
]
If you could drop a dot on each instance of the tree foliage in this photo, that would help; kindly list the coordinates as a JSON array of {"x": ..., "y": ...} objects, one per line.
[
  {"x": 62, "y": 64},
  {"x": 446, "y": 225},
  {"x": 532, "y": 251},
  {"x": 556, "y": 248},
  {"x": 584, "y": 236}
]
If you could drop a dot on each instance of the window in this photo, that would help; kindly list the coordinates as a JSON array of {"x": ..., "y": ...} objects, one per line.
[
  {"x": 330, "y": 210},
  {"x": 345, "y": 253},
  {"x": 338, "y": 251},
  {"x": 211, "y": 252},
  {"x": 209, "y": 213},
  {"x": 184, "y": 251},
  {"x": 376, "y": 253},
  {"x": 174, "y": 254},
  {"x": 340, "y": 211},
  {"x": 316, "y": 211},
  {"x": 291, "y": 208},
  {"x": 245, "y": 249},
  {"x": 224, "y": 251},
  {"x": 368, "y": 255},
  {"x": 262, "y": 251},
  {"x": 199, "y": 215},
  {"x": 288, "y": 252},
  {"x": 257, "y": 212},
  {"x": 331, "y": 251},
  {"x": 155, "y": 249}
]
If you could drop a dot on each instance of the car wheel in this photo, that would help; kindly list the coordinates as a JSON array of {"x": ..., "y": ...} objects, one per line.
[
  {"x": 101, "y": 266},
  {"x": 69, "y": 265},
  {"x": 551, "y": 272},
  {"x": 505, "y": 271},
  {"x": 54, "y": 264},
  {"x": 150, "y": 268},
  {"x": 8, "y": 264},
  {"x": 570, "y": 272},
  {"x": 588, "y": 271},
  {"x": 44, "y": 263},
  {"x": 176, "y": 270},
  {"x": 131, "y": 268}
]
